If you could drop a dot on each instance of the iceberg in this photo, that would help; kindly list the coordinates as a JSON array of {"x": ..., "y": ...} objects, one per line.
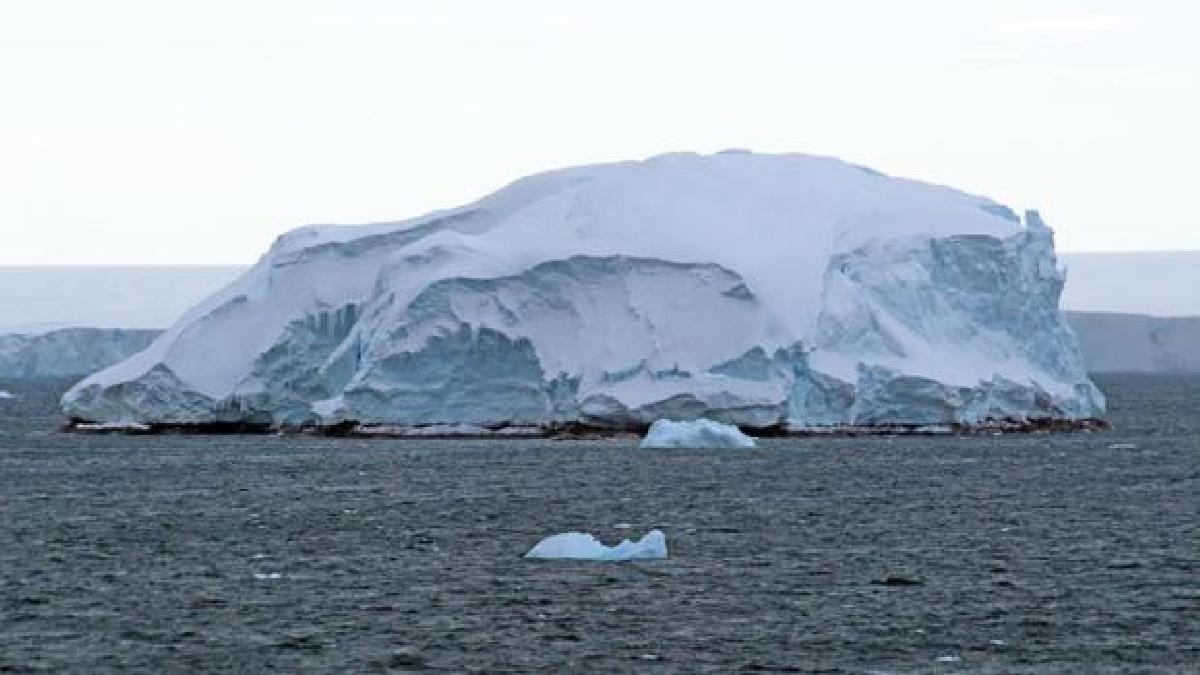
[
  {"x": 699, "y": 433},
  {"x": 581, "y": 546},
  {"x": 5, "y": 394},
  {"x": 776, "y": 292}
]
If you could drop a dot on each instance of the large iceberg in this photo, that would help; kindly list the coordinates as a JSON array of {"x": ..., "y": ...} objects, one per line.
[
  {"x": 699, "y": 433},
  {"x": 1114, "y": 342},
  {"x": 787, "y": 292}
]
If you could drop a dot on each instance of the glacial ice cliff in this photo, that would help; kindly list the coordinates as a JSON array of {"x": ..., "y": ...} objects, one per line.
[
  {"x": 782, "y": 291},
  {"x": 69, "y": 351}
]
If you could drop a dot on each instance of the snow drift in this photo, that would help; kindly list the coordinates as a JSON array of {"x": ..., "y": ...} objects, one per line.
[
  {"x": 581, "y": 546},
  {"x": 699, "y": 433},
  {"x": 783, "y": 291}
]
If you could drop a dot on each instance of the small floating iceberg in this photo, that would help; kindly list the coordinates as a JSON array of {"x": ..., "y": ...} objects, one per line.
[
  {"x": 4, "y": 394},
  {"x": 581, "y": 546},
  {"x": 701, "y": 433}
]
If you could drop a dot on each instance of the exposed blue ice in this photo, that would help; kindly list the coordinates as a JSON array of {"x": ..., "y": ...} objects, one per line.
[
  {"x": 701, "y": 433},
  {"x": 581, "y": 546}
]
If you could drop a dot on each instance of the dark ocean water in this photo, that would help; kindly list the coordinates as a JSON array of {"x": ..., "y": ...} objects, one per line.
[{"x": 1028, "y": 553}]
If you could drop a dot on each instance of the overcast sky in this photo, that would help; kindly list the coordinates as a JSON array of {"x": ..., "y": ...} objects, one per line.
[{"x": 195, "y": 132}]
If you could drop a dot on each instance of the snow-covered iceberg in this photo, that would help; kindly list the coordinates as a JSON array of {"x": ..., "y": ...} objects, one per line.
[
  {"x": 699, "y": 433},
  {"x": 768, "y": 291},
  {"x": 581, "y": 546}
]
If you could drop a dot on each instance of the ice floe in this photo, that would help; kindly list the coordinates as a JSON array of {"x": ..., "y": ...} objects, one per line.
[
  {"x": 701, "y": 433},
  {"x": 114, "y": 427},
  {"x": 582, "y": 546}
]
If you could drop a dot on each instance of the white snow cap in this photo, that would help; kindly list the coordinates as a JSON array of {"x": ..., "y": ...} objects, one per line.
[
  {"x": 581, "y": 546},
  {"x": 699, "y": 433}
]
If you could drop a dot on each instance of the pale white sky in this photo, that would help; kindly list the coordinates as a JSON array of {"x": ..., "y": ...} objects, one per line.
[{"x": 195, "y": 132}]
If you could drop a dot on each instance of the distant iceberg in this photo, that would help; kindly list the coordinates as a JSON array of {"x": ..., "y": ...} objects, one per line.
[
  {"x": 699, "y": 433},
  {"x": 581, "y": 546},
  {"x": 4, "y": 394}
]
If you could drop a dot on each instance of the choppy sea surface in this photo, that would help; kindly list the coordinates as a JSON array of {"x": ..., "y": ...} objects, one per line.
[{"x": 1006, "y": 554}]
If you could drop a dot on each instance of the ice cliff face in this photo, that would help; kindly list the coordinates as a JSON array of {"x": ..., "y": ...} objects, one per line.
[
  {"x": 69, "y": 351},
  {"x": 760, "y": 290}
]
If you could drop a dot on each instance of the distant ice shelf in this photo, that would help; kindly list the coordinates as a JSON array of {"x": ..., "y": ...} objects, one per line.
[
  {"x": 1138, "y": 343},
  {"x": 68, "y": 351}
]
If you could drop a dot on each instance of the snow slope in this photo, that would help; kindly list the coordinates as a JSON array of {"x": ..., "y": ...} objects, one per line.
[{"x": 752, "y": 289}]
